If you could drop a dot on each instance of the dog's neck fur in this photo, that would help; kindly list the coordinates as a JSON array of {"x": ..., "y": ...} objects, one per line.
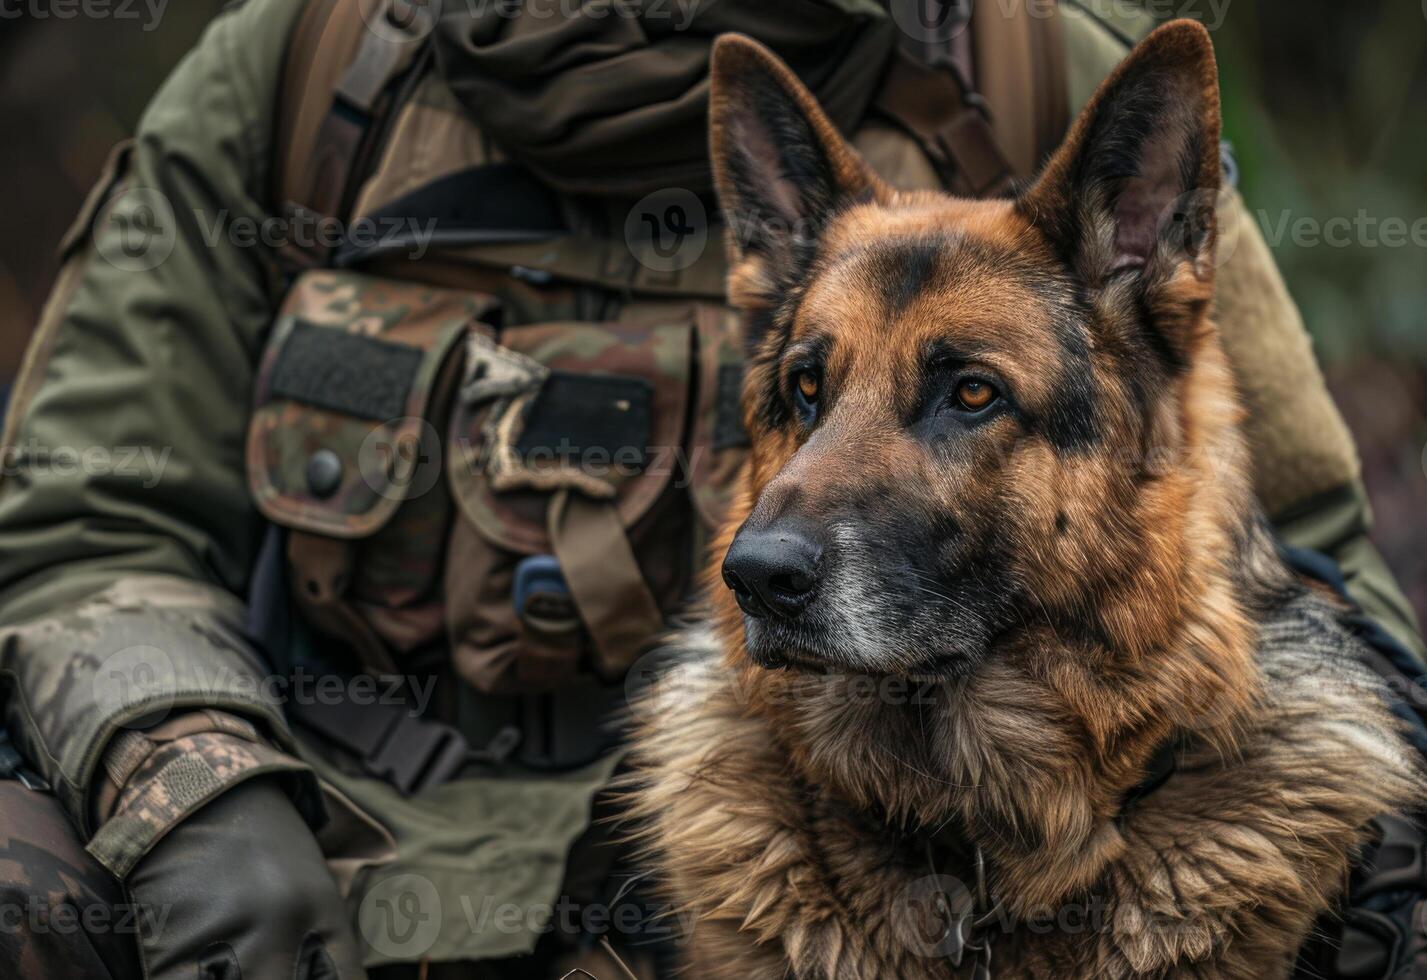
[{"x": 1004, "y": 755}]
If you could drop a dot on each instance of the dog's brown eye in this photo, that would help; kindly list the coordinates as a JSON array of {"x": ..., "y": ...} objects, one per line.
[
  {"x": 974, "y": 395},
  {"x": 808, "y": 385}
]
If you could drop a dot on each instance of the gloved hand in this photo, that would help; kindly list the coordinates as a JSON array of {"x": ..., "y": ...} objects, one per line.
[{"x": 246, "y": 895}]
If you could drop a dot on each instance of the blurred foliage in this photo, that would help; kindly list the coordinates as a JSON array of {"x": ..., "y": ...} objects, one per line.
[{"x": 1325, "y": 103}]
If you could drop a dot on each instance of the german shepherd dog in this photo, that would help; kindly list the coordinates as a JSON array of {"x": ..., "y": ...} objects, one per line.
[{"x": 995, "y": 561}]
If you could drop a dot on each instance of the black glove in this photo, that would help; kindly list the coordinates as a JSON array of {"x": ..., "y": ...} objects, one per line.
[{"x": 240, "y": 890}]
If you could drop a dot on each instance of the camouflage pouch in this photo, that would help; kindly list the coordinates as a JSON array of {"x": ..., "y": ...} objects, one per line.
[
  {"x": 344, "y": 451},
  {"x": 534, "y": 497},
  {"x": 573, "y": 448}
]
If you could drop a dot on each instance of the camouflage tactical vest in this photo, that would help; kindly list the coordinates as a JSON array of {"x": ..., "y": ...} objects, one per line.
[{"x": 512, "y": 443}]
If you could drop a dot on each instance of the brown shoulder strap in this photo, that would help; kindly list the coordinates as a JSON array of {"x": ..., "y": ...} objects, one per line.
[
  {"x": 983, "y": 95},
  {"x": 937, "y": 108},
  {"x": 342, "y": 63}
]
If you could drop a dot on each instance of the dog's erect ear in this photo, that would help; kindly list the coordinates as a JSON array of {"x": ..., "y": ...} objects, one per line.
[
  {"x": 780, "y": 167},
  {"x": 1135, "y": 182}
]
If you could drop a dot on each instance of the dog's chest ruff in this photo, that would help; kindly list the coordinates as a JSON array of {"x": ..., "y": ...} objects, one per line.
[{"x": 1222, "y": 870}]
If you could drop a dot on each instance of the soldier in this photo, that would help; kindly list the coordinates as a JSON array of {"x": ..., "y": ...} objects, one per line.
[{"x": 331, "y": 534}]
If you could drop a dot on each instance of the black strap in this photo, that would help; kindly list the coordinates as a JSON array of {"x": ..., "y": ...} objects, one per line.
[
  {"x": 1405, "y": 675},
  {"x": 496, "y": 202},
  {"x": 409, "y": 752},
  {"x": 1379, "y": 933}
]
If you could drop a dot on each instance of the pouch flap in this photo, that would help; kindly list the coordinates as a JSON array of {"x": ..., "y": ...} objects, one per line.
[
  {"x": 345, "y": 388},
  {"x": 594, "y": 408}
]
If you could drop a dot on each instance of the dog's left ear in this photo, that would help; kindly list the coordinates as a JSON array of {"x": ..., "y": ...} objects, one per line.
[
  {"x": 1134, "y": 184},
  {"x": 780, "y": 167}
]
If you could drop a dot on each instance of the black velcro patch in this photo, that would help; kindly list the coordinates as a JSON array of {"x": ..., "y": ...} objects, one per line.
[
  {"x": 344, "y": 372},
  {"x": 577, "y": 413}
]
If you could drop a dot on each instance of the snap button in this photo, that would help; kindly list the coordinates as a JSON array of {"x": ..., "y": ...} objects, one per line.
[{"x": 324, "y": 473}]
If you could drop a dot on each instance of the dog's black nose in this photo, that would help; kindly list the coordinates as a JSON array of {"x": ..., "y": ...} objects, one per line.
[{"x": 773, "y": 571}]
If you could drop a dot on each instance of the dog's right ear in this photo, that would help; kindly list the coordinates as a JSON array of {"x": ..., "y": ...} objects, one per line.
[{"x": 780, "y": 167}]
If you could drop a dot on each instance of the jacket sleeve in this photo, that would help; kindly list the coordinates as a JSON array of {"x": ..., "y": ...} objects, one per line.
[{"x": 126, "y": 531}]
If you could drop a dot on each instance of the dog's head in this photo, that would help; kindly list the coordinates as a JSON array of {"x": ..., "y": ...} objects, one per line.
[{"x": 960, "y": 409}]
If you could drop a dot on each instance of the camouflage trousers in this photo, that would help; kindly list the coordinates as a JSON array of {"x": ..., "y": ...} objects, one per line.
[{"x": 61, "y": 914}]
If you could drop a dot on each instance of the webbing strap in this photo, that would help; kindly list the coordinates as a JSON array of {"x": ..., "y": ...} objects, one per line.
[
  {"x": 609, "y": 589},
  {"x": 990, "y": 98},
  {"x": 340, "y": 68},
  {"x": 496, "y": 202},
  {"x": 938, "y": 109}
]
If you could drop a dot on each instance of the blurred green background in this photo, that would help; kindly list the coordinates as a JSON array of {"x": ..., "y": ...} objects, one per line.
[{"x": 1325, "y": 103}]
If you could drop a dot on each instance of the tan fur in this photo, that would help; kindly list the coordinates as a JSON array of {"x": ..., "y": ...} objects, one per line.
[{"x": 800, "y": 815}]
